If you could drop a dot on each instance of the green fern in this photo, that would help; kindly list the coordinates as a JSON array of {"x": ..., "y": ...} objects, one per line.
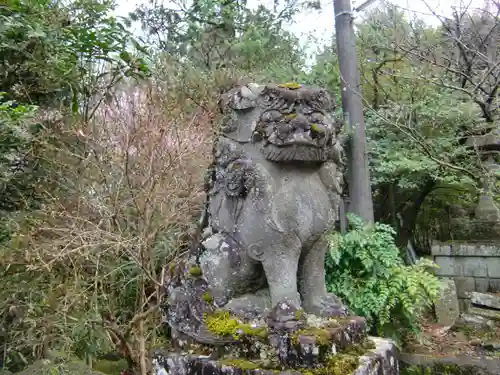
[{"x": 365, "y": 269}]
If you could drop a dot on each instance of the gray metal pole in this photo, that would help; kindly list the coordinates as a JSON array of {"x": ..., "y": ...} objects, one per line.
[{"x": 352, "y": 106}]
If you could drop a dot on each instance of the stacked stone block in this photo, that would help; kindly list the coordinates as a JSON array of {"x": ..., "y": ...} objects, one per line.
[{"x": 474, "y": 267}]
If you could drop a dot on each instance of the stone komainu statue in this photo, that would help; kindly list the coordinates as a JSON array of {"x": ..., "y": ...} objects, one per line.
[{"x": 273, "y": 192}]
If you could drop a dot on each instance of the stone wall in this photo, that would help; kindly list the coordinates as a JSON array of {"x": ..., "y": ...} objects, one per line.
[{"x": 474, "y": 267}]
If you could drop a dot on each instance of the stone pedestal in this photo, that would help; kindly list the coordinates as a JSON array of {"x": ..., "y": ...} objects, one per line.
[
  {"x": 332, "y": 347},
  {"x": 380, "y": 360}
]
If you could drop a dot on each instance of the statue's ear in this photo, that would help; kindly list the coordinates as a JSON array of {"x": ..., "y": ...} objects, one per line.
[{"x": 243, "y": 97}]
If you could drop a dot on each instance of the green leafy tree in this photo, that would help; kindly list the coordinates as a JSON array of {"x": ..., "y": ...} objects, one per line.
[
  {"x": 414, "y": 128},
  {"x": 218, "y": 34},
  {"x": 64, "y": 52}
]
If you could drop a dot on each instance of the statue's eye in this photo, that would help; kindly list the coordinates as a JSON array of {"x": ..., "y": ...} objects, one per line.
[{"x": 268, "y": 98}]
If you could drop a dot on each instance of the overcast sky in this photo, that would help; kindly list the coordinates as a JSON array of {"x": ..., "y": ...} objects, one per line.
[{"x": 320, "y": 25}]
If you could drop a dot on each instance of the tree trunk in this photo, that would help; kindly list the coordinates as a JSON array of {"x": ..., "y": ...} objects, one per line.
[
  {"x": 360, "y": 193},
  {"x": 409, "y": 215}
]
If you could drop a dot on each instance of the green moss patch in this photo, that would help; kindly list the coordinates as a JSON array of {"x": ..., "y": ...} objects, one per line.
[
  {"x": 194, "y": 271},
  {"x": 321, "y": 335},
  {"x": 339, "y": 364},
  {"x": 222, "y": 324},
  {"x": 240, "y": 363},
  {"x": 290, "y": 85}
]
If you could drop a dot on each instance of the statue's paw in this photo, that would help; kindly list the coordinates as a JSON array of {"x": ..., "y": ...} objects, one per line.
[
  {"x": 328, "y": 306},
  {"x": 251, "y": 305}
]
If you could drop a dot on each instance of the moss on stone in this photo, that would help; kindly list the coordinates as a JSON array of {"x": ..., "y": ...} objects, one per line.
[
  {"x": 359, "y": 349},
  {"x": 339, "y": 364},
  {"x": 321, "y": 335},
  {"x": 207, "y": 297},
  {"x": 171, "y": 269},
  {"x": 415, "y": 370},
  {"x": 222, "y": 324},
  {"x": 437, "y": 368},
  {"x": 290, "y": 116},
  {"x": 299, "y": 313},
  {"x": 249, "y": 330},
  {"x": 242, "y": 364},
  {"x": 194, "y": 271},
  {"x": 316, "y": 128},
  {"x": 290, "y": 85}
]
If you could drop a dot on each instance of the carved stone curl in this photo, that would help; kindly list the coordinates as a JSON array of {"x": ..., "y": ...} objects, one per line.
[{"x": 273, "y": 193}]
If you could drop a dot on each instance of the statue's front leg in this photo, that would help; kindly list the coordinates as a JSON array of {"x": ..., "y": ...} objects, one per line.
[
  {"x": 280, "y": 262},
  {"x": 316, "y": 299}
]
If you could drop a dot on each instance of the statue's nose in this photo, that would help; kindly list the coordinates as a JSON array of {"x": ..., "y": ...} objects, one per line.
[{"x": 301, "y": 122}]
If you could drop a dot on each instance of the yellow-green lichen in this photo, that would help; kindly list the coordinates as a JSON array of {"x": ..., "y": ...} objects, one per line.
[
  {"x": 290, "y": 85},
  {"x": 316, "y": 128},
  {"x": 435, "y": 369},
  {"x": 339, "y": 364},
  {"x": 171, "y": 269},
  {"x": 299, "y": 313},
  {"x": 290, "y": 116},
  {"x": 249, "y": 330},
  {"x": 207, "y": 297},
  {"x": 240, "y": 363},
  {"x": 222, "y": 324},
  {"x": 321, "y": 335},
  {"x": 195, "y": 271},
  {"x": 359, "y": 349}
]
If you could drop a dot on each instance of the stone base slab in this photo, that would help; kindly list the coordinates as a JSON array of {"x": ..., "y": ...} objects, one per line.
[
  {"x": 382, "y": 360},
  {"x": 419, "y": 364}
]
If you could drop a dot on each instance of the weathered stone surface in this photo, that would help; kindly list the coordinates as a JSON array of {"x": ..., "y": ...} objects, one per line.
[
  {"x": 448, "y": 266},
  {"x": 476, "y": 267},
  {"x": 487, "y": 209},
  {"x": 494, "y": 285},
  {"x": 476, "y": 321},
  {"x": 482, "y": 285},
  {"x": 381, "y": 360},
  {"x": 447, "y": 309},
  {"x": 494, "y": 267},
  {"x": 466, "y": 249},
  {"x": 464, "y": 286},
  {"x": 485, "y": 313},
  {"x": 462, "y": 266},
  {"x": 485, "y": 299},
  {"x": 490, "y": 141},
  {"x": 418, "y": 364},
  {"x": 464, "y": 304},
  {"x": 492, "y": 345}
]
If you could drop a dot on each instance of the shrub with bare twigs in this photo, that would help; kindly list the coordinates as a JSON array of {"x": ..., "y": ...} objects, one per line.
[{"x": 125, "y": 188}]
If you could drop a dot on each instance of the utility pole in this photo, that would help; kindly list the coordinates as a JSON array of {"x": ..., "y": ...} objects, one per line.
[{"x": 361, "y": 203}]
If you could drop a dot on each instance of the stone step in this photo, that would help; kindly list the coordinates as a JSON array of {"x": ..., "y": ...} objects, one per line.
[
  {"x": 485, "y": 299},
  {"x": 421, "y": 364},
  {"x": 331, "y": 338},
  {"x": 485, "y": 313}
]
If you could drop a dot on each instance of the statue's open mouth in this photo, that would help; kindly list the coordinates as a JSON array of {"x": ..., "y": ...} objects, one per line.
[{"x": 292, "y": 129}]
